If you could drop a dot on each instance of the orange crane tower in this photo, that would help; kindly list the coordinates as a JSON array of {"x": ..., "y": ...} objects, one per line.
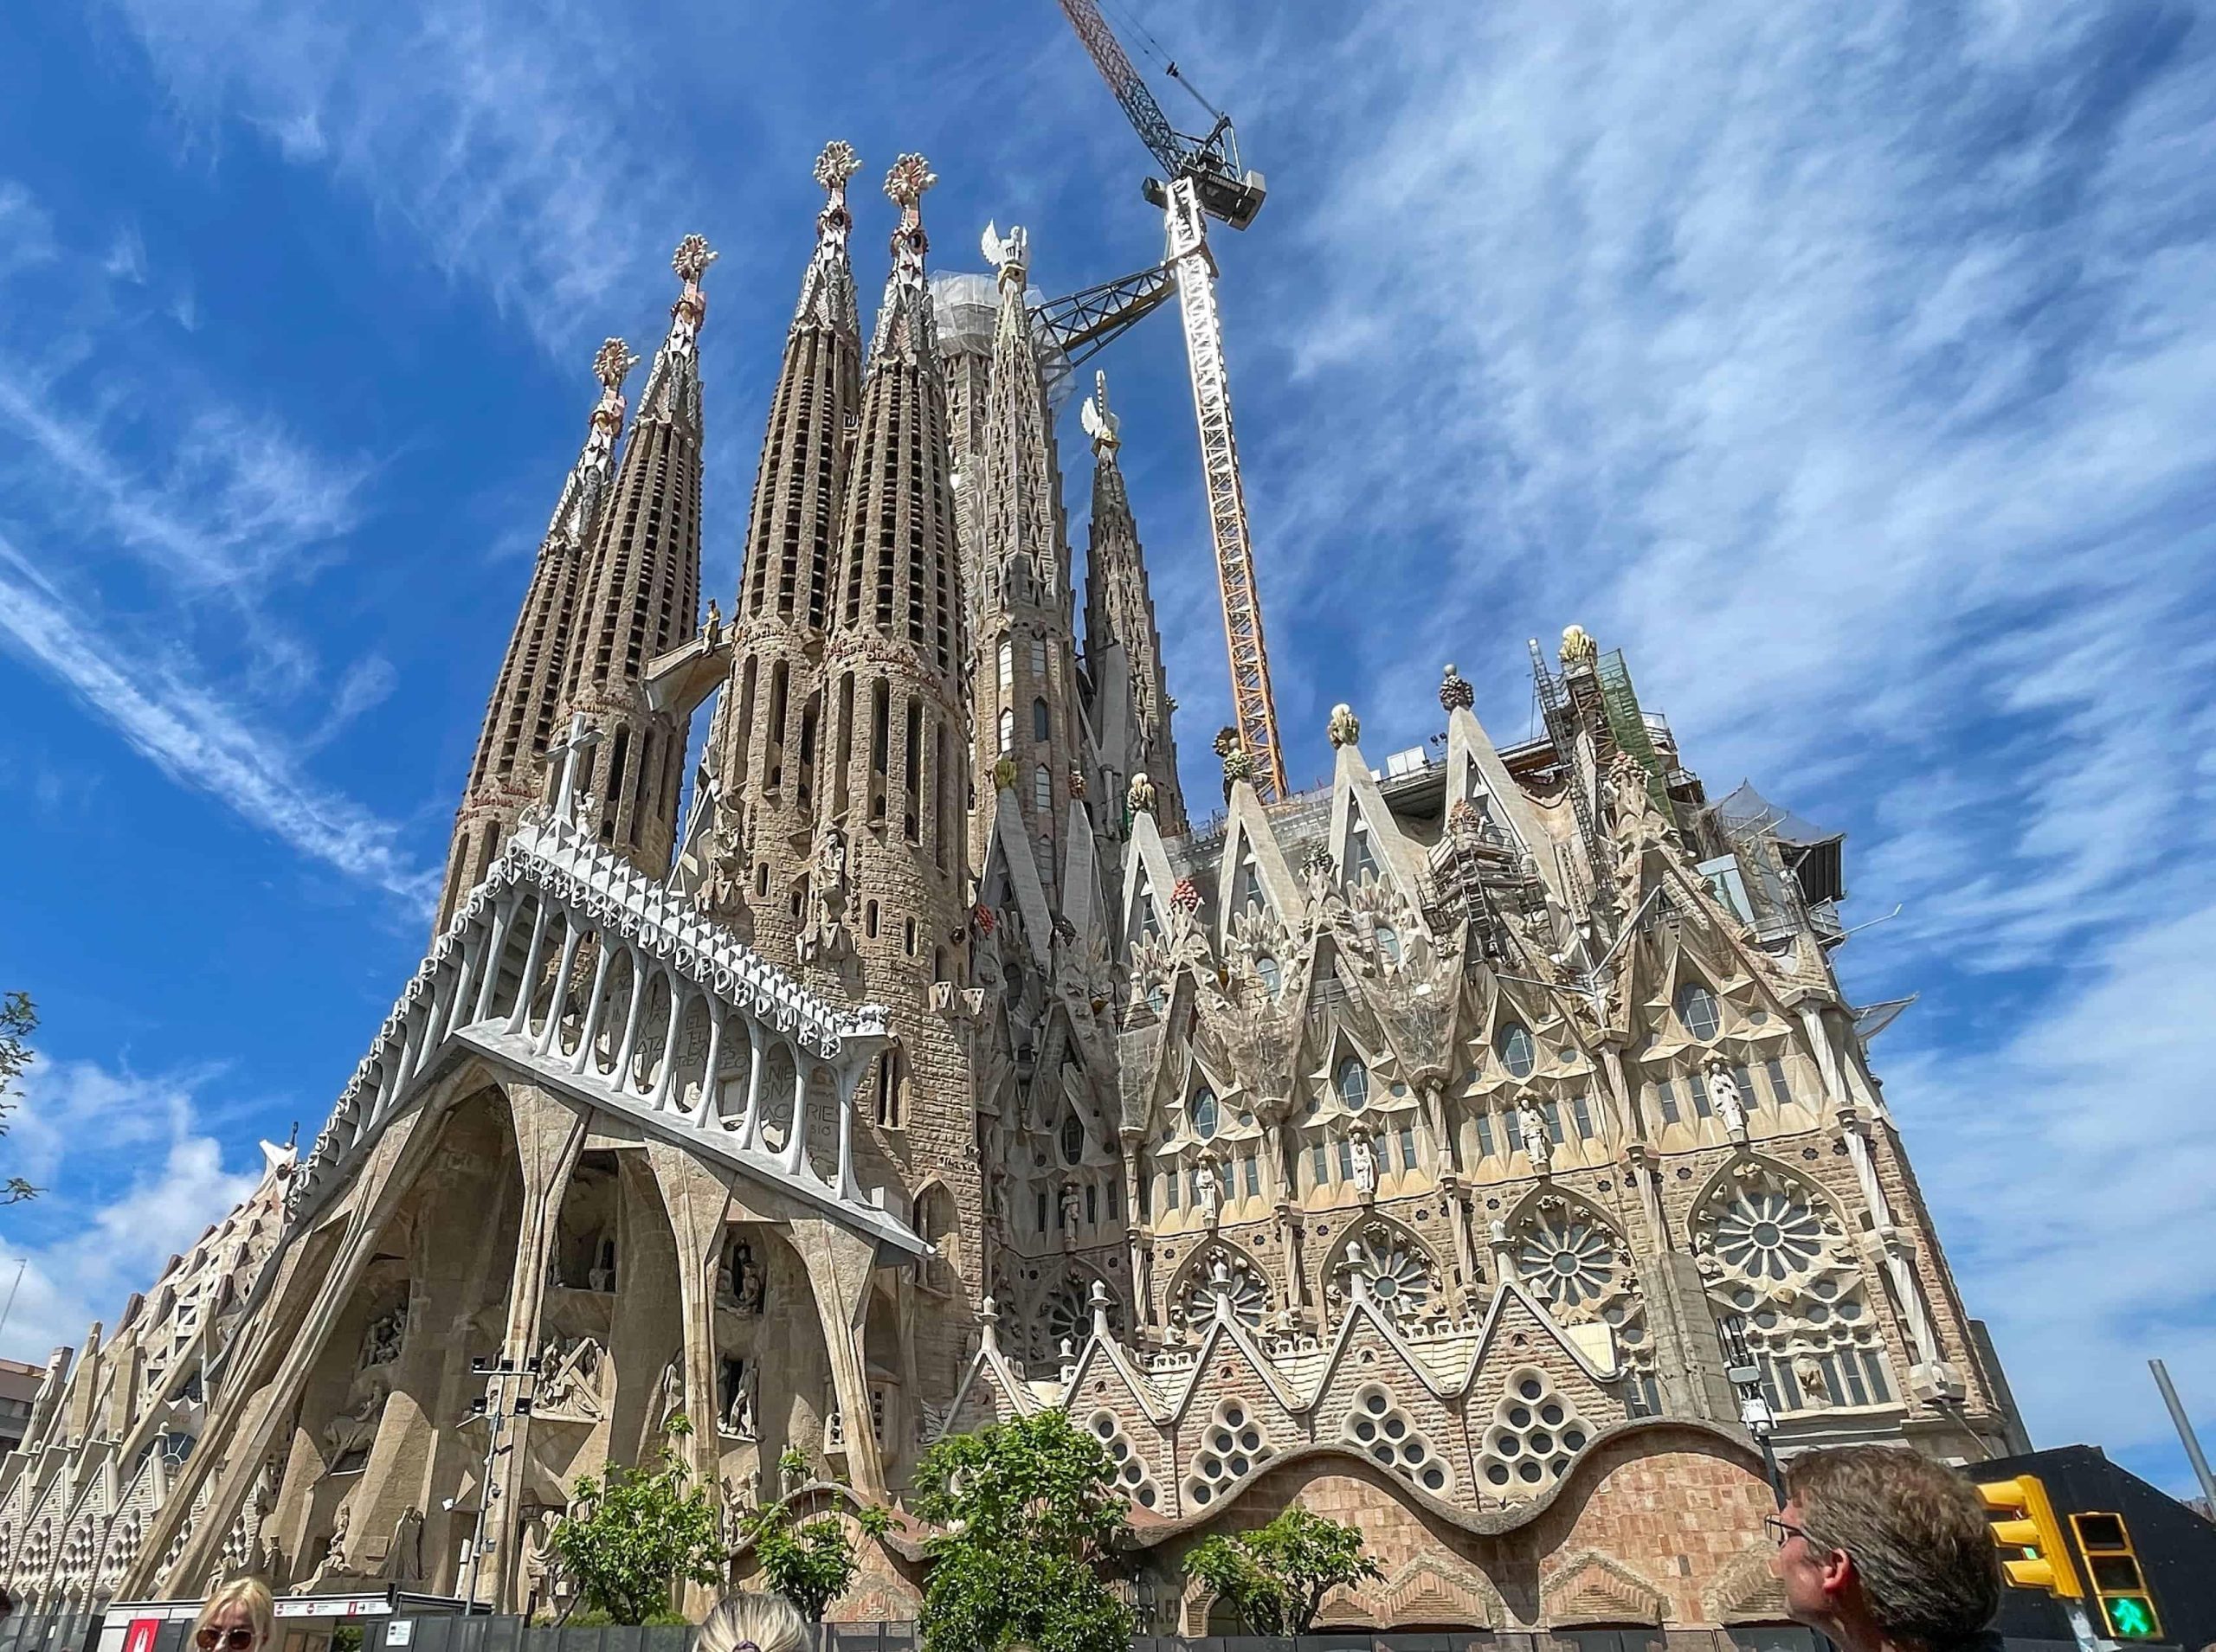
[{"x": 1205, "y": 182}]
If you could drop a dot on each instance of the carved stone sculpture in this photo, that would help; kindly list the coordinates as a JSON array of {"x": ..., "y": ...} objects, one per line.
[
  {"x": 1723, "y": 1095},
  {"x": 1207, "y": 1192},
  {"x": 1364, "y": 1159},
  {"x": 1141, "y": 797},
  {"x": 1531, "y": 1127},
  {"x": 1345, "y": 728}
]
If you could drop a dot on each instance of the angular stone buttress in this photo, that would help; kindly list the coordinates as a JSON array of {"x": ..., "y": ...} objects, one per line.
[{"x": 1407, "y": 1148}]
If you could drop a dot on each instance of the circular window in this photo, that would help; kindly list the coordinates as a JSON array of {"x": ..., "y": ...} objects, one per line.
[
  {"x": 1204, "y": 1114},
  {"x": 1516, "y": 1052},
  {"x": 1696, "y": 1009},
  {"x": 1353, "y": 1081}
]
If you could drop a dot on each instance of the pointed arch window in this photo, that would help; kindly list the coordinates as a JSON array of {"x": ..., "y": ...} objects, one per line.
[
  {"x": 1361, "y": 859},
  {"x": 1697, "y": 1011},
  {"x": 1008, "y": 729},
  {"x": 1351, "y": 1079},
  {"x": 1041, "y": 722},
  {"x": 1389, "y": 943},
  {"x": 1038, "y": 658},
  {"x": 1515, "y": 1049},
  {"x": 1247, "y": 887},
  {"x": 1204, "y": 1114},
  {"x": 1043, "y": 788},
  {"x": 1073, "y": 1140},
  {"x": 1271, "y": 974},
  {"x": 1006, "y": 672}
]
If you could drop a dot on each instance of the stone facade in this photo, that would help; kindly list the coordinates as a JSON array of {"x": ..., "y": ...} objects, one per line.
[{"x": 1404, "y": 1148}]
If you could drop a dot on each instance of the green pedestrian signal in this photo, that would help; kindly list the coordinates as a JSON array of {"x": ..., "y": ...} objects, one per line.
[
  {"x": 2112, "y": 1564},
  {"x": 2130, "y": 1618}
]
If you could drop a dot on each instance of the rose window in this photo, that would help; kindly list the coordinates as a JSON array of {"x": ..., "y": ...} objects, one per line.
[
  {"x": 1568, "y": 1259},
  {"x": 1068, "y": 1314},
  {"x": 1767, "y": 1232},
  {"x": 1234, "y": 1276},
  {"x": 1396, "y": 1271}
]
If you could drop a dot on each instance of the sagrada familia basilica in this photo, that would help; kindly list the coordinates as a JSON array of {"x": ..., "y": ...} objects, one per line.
[{"x": 1455, "y": 1148}]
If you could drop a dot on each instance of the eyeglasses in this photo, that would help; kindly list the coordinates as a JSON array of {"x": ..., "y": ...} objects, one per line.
[
  {"x": 1782, "y": 1530},
  {"x": 231, "y": 1640}
]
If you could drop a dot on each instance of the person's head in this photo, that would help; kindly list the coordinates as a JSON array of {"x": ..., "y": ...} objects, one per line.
[
  {"x": 238, "y": 1617},
  {"x": 1877, "y": 1543},
  {"x": 766, "y": 1623}
]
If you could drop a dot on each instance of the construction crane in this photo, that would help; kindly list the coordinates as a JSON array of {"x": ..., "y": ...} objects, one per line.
[{"x": 1206, "y": 181}]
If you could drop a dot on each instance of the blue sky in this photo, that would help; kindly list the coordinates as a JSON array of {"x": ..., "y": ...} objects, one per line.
[{"x": 1853, "y": 368}]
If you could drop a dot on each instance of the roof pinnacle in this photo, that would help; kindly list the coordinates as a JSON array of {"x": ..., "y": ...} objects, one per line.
[
  {"x": 834, "y": 166},
  {"x": 1100, "y": 424},
  {"x": 910, "y": 177},
  {"x": 691, "y": 258},
  {"x": 612, "y": 365}
]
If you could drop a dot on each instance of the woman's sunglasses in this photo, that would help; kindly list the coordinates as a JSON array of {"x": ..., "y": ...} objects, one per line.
[{"x": 231, "y": 1640}]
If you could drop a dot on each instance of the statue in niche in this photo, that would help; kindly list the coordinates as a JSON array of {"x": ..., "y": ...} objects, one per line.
[
  {"x": 334, "y": 1550},
  {"x": 1808, "y": 1375},
  {"x": 1365, "y": 1164},
  {"x": 743, "y": 1285},
  {"x": 739, "y": 1382},
  {"x": 380, "y": 1342},
  {"x": 403, "y": 1560},
  {"x": 601, "y": 1276},
  {"x": 1531, "y": 1127},
  {"x": 671, "y": 1402},
  {"x": 826, "y": 938},
  {"x": 1731, "y": 1105},
  {"x": 1208, "y": 1191},
  {"x": 353, "y": 1430},
  {"x": 730, "y": 846},
  {"x": 537, "y": 1549},
  {"x": 1067, "y": 1198},
  {"x": 568, "y": 1375}
]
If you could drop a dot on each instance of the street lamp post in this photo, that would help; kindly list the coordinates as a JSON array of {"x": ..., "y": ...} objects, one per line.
[
  {"x": 504, "y": 1399},
  {"x": 1746, "y": 1380}
]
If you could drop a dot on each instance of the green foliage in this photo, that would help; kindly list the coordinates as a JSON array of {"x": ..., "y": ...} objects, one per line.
[
  {"x": 633, "y": 1533},
  {"x": 18, "y": 1021},
  {"x": 1031, "y": 1520},
  {"x": 809, "y": 1565},
  {"x": 592, "y": 1617},
  {"x": 1275, "y": 1579},
  {"x": 792, "y": 1463}
]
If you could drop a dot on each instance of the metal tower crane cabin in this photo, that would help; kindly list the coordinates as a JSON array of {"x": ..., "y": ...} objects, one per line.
[{"x": 1205, "y": 182}]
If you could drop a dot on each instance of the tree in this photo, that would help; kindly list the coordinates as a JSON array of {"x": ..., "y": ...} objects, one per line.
[
  {"x": 1031, "y": 1517},
  {"x": 1275, "y": 1579},
  {"x": 633, "y": 1533},
  {"x": 18, "y": 1021},
  {"x": 812, "y": 1564}
]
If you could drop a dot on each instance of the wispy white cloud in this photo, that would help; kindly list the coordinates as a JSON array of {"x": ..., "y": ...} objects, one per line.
[
  {"x": 525, "y": 146},
  {"x": 1854, "y": 371},
  {"x": 132, "y": 1178},
  {"x": 198, "y": 740}
]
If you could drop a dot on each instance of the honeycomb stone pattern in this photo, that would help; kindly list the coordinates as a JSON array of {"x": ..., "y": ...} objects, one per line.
[
  {"x": 1232, "y": 1447},
  {"x": 1384, "y": 1433},
  {"x": 1131, "y": 1477},
  {"x": 1535, "y": 1433}
]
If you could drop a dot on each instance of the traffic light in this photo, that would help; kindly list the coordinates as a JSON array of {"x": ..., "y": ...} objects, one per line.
[
  {"x": 2112, "y": 1565},
  {"x": 2030, "y": 1537}
]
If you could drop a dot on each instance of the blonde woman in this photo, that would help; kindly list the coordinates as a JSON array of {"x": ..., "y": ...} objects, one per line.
[
  {"x": 239, "y": 1617},
  {"x": 745, "y": 1622}
]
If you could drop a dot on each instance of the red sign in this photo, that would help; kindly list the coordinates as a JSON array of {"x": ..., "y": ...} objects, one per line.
[{"x": 139, "y": 1637}]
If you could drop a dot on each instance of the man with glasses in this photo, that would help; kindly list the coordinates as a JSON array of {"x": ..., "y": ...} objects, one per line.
[{"x": 1884, "y": 1550}]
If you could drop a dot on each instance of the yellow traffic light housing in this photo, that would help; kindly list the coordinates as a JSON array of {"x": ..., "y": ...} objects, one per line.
[
  {"x": 2030, "y": 1538},
  {"x": 2119, "y": 1582}
]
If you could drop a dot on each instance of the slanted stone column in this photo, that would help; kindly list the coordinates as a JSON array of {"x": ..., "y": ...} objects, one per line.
[
  {"x": 839, "y": 1266},
  {"x": 550, "y": 1133}
]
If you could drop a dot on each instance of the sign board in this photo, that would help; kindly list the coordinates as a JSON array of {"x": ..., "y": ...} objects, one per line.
[
  {"x": 141, "y": 1634},
  {"x": 400, "y": 1631}
]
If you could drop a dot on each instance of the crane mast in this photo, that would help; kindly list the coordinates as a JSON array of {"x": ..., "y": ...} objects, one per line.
[{"x": 1205, "y": 181}]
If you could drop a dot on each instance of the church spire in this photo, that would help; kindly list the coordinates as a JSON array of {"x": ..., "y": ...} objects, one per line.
[
  {"x": 1123, "y": 646},
  {"x": 769, "y": 723},
  {"x": 887, "y": 902},
  {"x": 638, "y": 593},
  {"x": 1025, "y": 688},
  {"x": 519, "y": 720}
]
